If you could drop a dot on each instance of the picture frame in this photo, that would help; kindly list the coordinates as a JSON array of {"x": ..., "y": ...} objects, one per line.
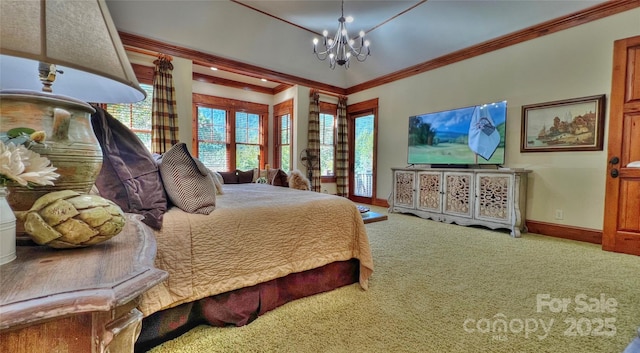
[{"x": 575, "y": 124}]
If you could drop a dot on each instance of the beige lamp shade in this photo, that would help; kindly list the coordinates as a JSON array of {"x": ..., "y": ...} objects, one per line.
[{"x": 79, "y": 37}]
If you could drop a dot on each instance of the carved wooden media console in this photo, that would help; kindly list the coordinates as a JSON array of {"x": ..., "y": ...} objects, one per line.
[
  {"x": 494, "y": 198},
  {"x": 79, "y": 300}
]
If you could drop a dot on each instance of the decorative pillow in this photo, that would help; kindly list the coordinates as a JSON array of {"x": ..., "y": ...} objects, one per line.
[
  {"x": 187, "y": 181},
  {"x": 129, "y": 176},
  {"x": 297, "y": 180},
  {"x": 271, "y": 173},
  {"x": 229, "y": 177},
  {"x": 280, "y": 179},
  {"x": 245, "y": 177},
  {"x": 260, "y": 176},
  {"x": 218, "y": 181}
]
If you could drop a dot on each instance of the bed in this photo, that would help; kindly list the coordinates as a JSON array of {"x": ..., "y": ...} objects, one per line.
[
  {"x": 233, "y": 256},
  {"x": 257, "y": 234}
]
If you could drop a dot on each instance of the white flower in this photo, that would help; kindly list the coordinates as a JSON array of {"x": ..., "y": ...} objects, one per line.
[{"x": 24, "y": 166}]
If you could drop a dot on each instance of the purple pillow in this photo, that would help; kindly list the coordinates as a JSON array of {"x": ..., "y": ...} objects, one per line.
[
  {"x": 281, "y": 178},
  {"x": 245, "y": 177},
  {"x": 229, "y": 177},
  {"x": 129, "y": 175}
]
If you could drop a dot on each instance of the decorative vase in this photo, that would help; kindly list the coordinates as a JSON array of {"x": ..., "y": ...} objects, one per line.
[
  {"x": 71, "y": 145},
  {"x": 7, "y": 229}
]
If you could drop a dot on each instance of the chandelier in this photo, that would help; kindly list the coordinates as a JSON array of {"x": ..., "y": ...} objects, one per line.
[{"x": 340, "y": 49}]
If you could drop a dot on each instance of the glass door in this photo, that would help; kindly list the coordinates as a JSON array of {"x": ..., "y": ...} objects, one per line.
[{"x": 362, "y": 149}]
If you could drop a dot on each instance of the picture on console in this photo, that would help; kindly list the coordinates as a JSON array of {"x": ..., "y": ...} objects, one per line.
[{"x": 463, "y": 136}]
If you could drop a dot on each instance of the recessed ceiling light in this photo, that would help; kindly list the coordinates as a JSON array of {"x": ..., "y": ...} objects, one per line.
[
  {"x": 263, "y": 79},
  {"x": 214, "y": 68}
]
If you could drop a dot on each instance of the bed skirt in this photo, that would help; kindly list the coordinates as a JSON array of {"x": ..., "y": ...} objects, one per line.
[{"x": 241, "y": 306}]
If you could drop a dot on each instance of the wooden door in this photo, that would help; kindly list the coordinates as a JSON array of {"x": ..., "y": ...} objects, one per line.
[{"x": 621, "y": 230}]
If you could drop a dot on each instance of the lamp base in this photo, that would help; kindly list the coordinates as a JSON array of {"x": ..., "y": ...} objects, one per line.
[
  {"x": 7, "y": 230},
  {"x": 71, "y": 145}
]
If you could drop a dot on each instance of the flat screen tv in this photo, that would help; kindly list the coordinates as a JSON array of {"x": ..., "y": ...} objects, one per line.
[{"x": 457, "y": 137}]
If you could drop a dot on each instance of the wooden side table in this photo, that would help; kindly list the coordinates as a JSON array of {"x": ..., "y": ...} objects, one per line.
[{"x": 78, "y": 300}]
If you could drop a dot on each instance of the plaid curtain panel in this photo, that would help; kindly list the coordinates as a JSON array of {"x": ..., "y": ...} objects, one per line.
[
  {"x": 342, "y": 150},
  {"x": 313, "y": 137},
  {"x": 164, "y": 116}
]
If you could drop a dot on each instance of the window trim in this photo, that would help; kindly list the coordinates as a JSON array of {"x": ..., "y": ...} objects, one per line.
[
  {"x": 332, "y": 109},
  {"x": 143, "y": 73},
  {"x": 369, "y": 107},
  {"x": 136, "y": 131},
  {"x": 231, "y": 106},
  {"x": 279, "y": 110}
]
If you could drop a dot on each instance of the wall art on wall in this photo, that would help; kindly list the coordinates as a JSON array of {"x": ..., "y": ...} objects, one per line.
[{"x": 567, "y": 125}]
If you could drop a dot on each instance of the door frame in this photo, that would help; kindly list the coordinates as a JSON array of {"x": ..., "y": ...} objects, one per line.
[
  {"x": 619, "y": 233},
  {"x": 355, "y": 111}
]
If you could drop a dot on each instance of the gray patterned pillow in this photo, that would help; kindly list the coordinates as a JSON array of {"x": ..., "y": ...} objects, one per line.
[{"x": 187, "y": 181}]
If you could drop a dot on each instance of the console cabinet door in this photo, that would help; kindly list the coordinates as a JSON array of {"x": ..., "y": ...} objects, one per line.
[
  {"x": 494, "y": 198},
  {"x": 430, "y": 191},
  {"x": 458, "y": 194},
  {"x": 404, "y": 187}
]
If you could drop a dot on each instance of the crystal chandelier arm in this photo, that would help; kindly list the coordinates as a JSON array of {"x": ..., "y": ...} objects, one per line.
[
  {"x": 328, "y": 45},
  {"x": 341, "y": 49},
  {"x": 357, "y": 52}
]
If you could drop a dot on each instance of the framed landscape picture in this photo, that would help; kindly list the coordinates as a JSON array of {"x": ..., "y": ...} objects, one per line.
[{"x": 568, "y": 125}]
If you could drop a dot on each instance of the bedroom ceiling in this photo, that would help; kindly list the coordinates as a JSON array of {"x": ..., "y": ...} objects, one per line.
[{"x": 277, "y": 35}]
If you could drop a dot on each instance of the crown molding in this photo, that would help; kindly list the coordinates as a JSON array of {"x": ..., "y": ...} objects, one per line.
[
  {"x": 204, "y": 59},
  {"x": 575, "y": 19}
]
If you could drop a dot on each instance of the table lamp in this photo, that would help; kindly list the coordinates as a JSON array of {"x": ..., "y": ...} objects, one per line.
[{"x": 75, "y": 43}]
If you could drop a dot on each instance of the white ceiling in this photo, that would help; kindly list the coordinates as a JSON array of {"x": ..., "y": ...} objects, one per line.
[{"x": 277, "y": 35}]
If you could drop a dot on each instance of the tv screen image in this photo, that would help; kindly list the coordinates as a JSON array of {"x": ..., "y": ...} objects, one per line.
[{"x": 463, "y": 136}]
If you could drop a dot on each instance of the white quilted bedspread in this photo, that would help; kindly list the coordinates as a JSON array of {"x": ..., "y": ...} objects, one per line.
[{"x": 257, "y": 232}]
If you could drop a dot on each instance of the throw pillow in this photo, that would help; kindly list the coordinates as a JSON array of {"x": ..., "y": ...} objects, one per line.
[
  {"x": 229, "y": 177},
  {"x": 129, "y": 176},
  {"x": 297, "y": 180},
  {"x": 280, "y": 179},
  {"x": 271, "y": 173},
  {"x": 187, "y": 181},
  {"x": 245, "y": 176},
  {"x": 218, "y": 181}
]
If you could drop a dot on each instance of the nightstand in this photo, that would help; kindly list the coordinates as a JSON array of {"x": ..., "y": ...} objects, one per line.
[{"x": 78, "y": 300}]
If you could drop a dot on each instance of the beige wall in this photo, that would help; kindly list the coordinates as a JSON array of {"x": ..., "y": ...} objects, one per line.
[{"x": 573, "y": 63}]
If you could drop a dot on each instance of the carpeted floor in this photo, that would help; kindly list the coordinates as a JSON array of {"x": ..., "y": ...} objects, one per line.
[{"x": 447, "y": 288}]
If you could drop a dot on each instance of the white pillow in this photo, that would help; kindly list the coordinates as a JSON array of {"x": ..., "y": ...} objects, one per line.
[{"x": 218, "y": 181}]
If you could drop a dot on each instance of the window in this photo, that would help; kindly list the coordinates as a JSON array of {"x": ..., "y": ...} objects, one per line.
[
  {"x": 284, "y": 161},
  {"x": 328, "y": 113},
  {"x": 230, "y": 134},
  {"x": 283, "y": 125},
  {"x": 212, "y": 138},
  {"x": 327, "y": 144},
  {"x": 247, "y": 140},
  {"x": 136, "y": 116}
]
